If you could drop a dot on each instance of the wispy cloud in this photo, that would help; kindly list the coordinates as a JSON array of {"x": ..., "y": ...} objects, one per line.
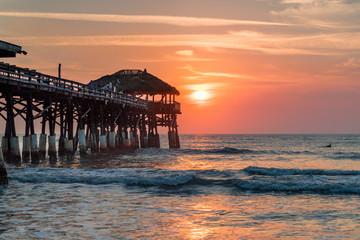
[
  {"x": 317, "y": 44},
  {"x": 157, "y": 19},
  {"x": 187, "y": 53},
  {"x": 203, "y": 86},
  {"x": 219, "y": 74},
  {"x": 199, "y": 75},
  {"x": 338, "y": 14},
  {"x": 350, "y": 63}
]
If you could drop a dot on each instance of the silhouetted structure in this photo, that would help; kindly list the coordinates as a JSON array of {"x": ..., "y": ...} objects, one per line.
[
  {"x": 9, "y": 49},
  {"x": 162, "y": 107},
  {"x": 104, "y": 114}
]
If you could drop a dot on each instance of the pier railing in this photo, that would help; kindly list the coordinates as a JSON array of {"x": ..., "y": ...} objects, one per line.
[
  {"x": 162, "y": 108},
  {"x": 11, "y": 75}
]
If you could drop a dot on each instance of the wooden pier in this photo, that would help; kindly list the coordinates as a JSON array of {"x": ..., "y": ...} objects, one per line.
[{"x": 86, "y": 117}]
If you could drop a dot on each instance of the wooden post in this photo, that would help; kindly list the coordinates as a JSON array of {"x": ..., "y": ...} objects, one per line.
[
  {"x": 69, "y": 146},
  {"x": 43, "y": 136},
  {"x": 112, "y": 134},
  {"x": 26, "y": 139},
  {"x": 93, "y": 130},
  {"x": 62, "y": 139},
  {"x": 13, "y": 149},
  {"x": 102, "y": 137},
  {"x": 143, "y": 133},
  {"x": 52, "y": 135},
  {"x": 3, "y": 173}
]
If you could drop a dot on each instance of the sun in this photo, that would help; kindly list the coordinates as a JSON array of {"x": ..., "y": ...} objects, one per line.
[{"x": 200, "y": 95}]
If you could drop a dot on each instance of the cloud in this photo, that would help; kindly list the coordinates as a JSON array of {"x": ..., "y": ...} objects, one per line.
[
  {"x": 185, "y": 53},
  {"x": 351, "y": 63},
  {"x": 218, "y": 74},
  {"x": 214, "y": 74},
  {"x": 146, "y": 60},
  {"x": 203, "y": 86},
  {"x": 316, "y": 44},
  {"x": 337, "y": 14},
  {"x": 157, "y": 19}
]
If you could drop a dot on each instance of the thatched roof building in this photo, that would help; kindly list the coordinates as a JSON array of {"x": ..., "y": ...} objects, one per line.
[{"x": 135, "y": 81}]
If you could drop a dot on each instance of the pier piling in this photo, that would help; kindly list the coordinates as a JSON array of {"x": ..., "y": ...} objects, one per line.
[
  {"x": 34, "y": 147},
  {"x": 82, "y": 141},
  {"x": 52, "y": 147},
  {"x": 3, "y": 172},
  {"x": 26, "y": 148},
  {"x": 42, "y": 145}
]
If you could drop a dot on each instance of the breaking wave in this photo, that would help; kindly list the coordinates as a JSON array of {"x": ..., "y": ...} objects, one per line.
[
  {"x": 235, "y": 151},
  {"x": 281, "y": 172},
  {"x": 254, "y": 179}
]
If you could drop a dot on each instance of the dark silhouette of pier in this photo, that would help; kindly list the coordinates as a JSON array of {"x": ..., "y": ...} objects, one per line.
[{"x": 87, "y": 117}]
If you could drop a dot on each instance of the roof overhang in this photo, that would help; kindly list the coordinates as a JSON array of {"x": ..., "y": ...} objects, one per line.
[{"x": 9, "y": 49}]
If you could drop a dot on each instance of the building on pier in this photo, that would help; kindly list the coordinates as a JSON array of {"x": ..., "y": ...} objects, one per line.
[{"x": 162, "y": 106}]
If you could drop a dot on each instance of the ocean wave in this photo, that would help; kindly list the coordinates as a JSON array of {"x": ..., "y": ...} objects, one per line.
[
  {"x": 346, "y": 155},
  {"x": 300, "y": 185},
  {"x": 281, "y": 172},
  {"x": 96, "y": 177},
  {"x": 254, "y": 179},
  {"x": 235, "y": 151},
  {"x": 219, "y": 151},
  {"x": 229, "y": 150},
  {"x": 225, "y": 150}
]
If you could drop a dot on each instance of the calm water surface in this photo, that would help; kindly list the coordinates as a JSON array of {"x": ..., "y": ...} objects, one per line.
[{"x": 215, "y": 187}]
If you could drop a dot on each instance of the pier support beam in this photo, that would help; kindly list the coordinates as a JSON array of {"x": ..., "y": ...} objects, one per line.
[
  {"x": 143, "y": 139},
  {"x": 52, "y": 134},
  {"x": 11, "y": 140},
  {"x": 94, "y": 143},
  {"x": 136, "y": 139},
  {"x": 26, "y": 148},
  {"x": 69, "y": 143},
  {"x": 15, "y": 148},
  {"x": 132, "y": 139},
  {"x": 103, "y": 146},
  {"x": 3, "y": 173},
  {"x": 34, "y": 147},
  {"x": 4, "y": 145},
  {"x": 123, "y": 139},
  {"x": 52, "y": 147},
  {"x": 42, "y": 145},
  {"x": 157, "y": 140},
  {"x": 69, "y": 146},
  {"x": 127, "y": 139},
  {"x": 62, "y": 142},
  {"x": 172, "y": 140},
  {"x": 62, "y": 139},
  {"x": 82, "y": 141},
  {"x": 112, "y": 140},
  {"x": 102, "y": 138}
]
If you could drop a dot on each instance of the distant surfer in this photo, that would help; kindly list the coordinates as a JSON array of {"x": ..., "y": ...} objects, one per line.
[{"x": 327, "y": 146}]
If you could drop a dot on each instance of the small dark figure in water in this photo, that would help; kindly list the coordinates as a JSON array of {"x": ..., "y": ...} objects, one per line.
[{"x": 327, "y": 146}]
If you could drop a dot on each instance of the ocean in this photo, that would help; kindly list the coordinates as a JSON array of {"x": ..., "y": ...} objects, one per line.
[{"x": 214, "y": 187}]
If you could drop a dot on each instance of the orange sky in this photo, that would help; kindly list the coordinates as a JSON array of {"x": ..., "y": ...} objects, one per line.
[{"x": 278, "y": 66}]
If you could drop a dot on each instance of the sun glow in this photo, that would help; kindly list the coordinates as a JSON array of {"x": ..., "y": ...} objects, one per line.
[{"x": 200, "y": 95}]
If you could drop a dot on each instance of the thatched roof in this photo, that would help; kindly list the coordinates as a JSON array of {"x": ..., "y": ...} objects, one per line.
[{"x": 131, "y": 81}]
